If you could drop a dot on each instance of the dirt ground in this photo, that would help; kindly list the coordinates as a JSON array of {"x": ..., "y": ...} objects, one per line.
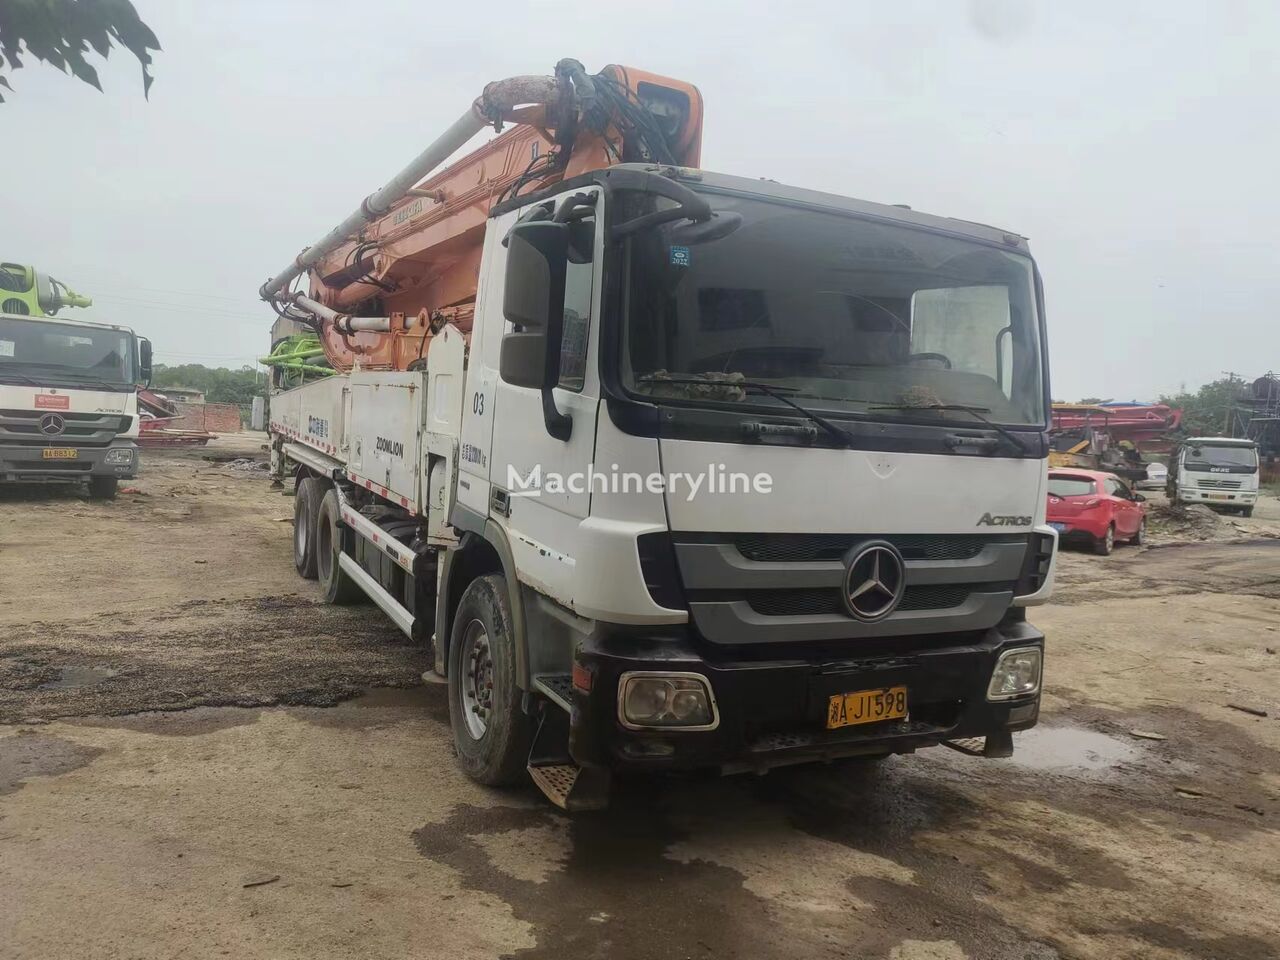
[{"x": 199, "y": 760}]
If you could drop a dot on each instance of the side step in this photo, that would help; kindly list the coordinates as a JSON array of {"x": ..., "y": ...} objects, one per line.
[
  {"x": 994, "y": 746},
  {"x": 573, "y": 788},
  {"x": 556, "y": 687},
  {"x": 570, "y": 787}
]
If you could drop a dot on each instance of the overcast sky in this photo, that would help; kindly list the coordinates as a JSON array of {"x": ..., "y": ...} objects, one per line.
[{"x": 1136, "y": 144}]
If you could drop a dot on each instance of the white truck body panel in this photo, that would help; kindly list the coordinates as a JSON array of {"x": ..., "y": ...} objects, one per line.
[
  {"x": 385, "y": 414},
  {"x": 313, "y": 414}
]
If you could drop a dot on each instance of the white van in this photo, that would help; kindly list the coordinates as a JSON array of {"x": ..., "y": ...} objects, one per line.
[{"x": 1217, "y": 471}]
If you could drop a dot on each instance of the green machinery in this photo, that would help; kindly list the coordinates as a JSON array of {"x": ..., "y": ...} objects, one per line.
[
  {"x": 294, "y": 357},
  {"x": 26, "y": 291}
]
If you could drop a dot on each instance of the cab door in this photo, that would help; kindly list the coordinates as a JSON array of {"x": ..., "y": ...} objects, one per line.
[{"x": 540, "y": 485}]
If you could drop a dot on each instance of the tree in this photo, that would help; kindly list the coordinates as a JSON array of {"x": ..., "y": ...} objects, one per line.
[
  {"x": 61, "y": 32},
  {"x": 1207, "y": 412},
  {"x": 219, "y": 385}
]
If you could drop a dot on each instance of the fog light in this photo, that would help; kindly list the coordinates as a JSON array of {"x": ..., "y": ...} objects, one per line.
[
  {"x": 681, "y": 700},
  {"x": 1017, "y": 674},
  {"x": 119, "y": 455}
]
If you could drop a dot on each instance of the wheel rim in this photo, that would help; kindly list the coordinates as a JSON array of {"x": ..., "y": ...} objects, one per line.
[
  {"x": 1111, "y": 538},
  {"x": 476, "y": 688}
]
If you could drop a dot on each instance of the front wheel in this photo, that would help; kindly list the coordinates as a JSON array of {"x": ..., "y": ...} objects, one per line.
[
  {"x": 1139, "y": 538},
  {"x": 491, "y": 733},
  {"x": 1246, "y": 511},
  {"x": 1106, "y": 543},
  {"x": 103, "y": 488}
]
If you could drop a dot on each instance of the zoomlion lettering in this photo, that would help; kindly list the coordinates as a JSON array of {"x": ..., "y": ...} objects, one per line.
[
  {"x": 987, "y": 520},
  {"x": 393, "y": 447}
]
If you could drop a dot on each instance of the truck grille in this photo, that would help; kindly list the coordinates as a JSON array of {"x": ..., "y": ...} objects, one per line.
[
  {"x": 22, "y": 427},
  {"x": 797, "y": 548},
  {"x": 782, "y": 588},
  {"x": 803, "y": 603},
  {"x": 1215, "y": 483}
]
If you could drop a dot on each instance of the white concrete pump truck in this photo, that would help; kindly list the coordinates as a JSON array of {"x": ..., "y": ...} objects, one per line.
[
  {"x": 68, "y": 388},
  {"x": 673, "y": 470}
]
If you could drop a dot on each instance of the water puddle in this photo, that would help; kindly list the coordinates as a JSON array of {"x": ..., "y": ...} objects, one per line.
[
  {"x": 1072, "y": 750},
  {"x": 69, "y": 677}
]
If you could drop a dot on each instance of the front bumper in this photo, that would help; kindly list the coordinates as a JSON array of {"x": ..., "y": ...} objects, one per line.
[
  {"x": 773, "y": 713},
  {"x": 1230, "y": 498},
  {"x": 27, "y": 464}
]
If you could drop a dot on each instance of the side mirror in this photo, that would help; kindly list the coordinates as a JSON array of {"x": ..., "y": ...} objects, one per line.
[
  {"x": 144, "y": 361},
  {"x": 1139, "y": 498},
  {"x": 533, "y": 301}
]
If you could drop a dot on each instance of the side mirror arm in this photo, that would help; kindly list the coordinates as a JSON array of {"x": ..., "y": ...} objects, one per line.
[{"x": 559, "y": 425}]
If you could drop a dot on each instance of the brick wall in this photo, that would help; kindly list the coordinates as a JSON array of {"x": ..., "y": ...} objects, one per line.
[{"x": 213, "y": 417}]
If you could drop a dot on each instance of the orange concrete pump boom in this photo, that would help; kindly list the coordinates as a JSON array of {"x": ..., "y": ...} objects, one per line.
[{"x": 408, "y": 258}]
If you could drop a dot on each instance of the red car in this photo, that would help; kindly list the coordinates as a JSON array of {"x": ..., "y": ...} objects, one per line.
[{"x": 1096, "y": 508}]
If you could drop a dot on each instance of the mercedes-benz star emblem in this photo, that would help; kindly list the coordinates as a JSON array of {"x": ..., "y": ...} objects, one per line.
[
  {"x": 52, "y": 424},
  {"x": 874, "y": 582}
]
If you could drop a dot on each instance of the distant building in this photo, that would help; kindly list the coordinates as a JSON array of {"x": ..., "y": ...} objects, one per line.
[{"x": 182, "y": 394}]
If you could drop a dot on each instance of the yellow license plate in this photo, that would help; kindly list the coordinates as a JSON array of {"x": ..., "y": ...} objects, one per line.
[
  {"x": 60, "y": 453},
  {"x": 1219, "y": 496},
  {"x": 866, "y": 706}
]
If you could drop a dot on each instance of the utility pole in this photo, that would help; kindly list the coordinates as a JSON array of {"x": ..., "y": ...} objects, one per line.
[{"x": 1232, "y": 377}]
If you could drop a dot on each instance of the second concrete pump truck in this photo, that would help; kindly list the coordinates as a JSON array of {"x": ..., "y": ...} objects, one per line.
[{"x": 673, "y": 470}]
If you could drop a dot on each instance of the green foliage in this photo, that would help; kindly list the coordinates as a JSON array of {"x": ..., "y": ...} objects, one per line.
[
  {"x": 61, "y": 32},
  {"x": 1206, "y": 413},
  {"x": 219, "y": 384}
]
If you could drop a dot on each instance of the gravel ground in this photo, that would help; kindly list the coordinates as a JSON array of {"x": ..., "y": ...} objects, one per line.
[{"x": 176, "y": 780}]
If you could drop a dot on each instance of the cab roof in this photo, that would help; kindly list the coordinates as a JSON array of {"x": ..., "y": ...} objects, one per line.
[
  {"x": 898, "y": 213},
  {"x": 71, "y": 321},
  {"x": 1218, "y": 442}
]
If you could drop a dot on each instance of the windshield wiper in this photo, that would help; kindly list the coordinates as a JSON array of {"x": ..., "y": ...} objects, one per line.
[
  {"x": 976, "y": 412},
  {"x": 769, "y": 390},
  {"x": 66, "y": 375},
  {"x": 21, "y": 378}
]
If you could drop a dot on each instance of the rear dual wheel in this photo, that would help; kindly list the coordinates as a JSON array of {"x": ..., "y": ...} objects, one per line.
[
  {"x": 339, "y": 588},
  {"x": 306, "y": 511}
]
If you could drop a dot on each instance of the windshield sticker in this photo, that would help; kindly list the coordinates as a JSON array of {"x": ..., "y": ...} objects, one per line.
[
  {"x": 6, "y": 348},
  {"x": 680, "y": 256}
]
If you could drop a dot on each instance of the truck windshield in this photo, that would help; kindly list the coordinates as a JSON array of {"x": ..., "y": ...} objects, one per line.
[
  {"x": 45, "y": 350},
  {"x": 847, "y": 314},
  {"x": 1206, "y": 457}
]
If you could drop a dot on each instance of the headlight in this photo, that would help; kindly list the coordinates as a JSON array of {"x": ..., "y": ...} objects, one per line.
[
  {"x": 119, "y": 455},
  {"x": 1017, "y": 674},
  {"x": 681, "y": 700}
]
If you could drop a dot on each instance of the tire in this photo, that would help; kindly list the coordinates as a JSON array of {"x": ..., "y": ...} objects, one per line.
[
  {"x": 1139, "y": 538},
  {"x": 1246, "y": 511},
  {"x": 1104, "y": 546},
  {"x": 306, "y": 506},
  {"x": 103, "y": 488},
  {"x": 492, "y": 741},
  {"x": 339, "y": 589}
]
